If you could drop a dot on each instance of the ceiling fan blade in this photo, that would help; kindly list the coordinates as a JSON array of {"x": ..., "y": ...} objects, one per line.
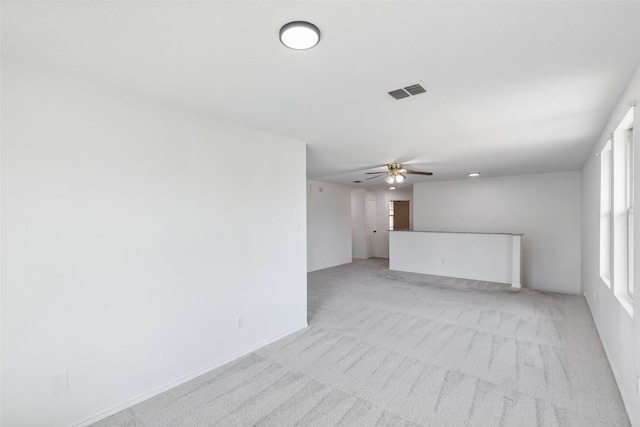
[
  {"x": 377, "y": 176},
  {"x": 419, "y": 173},
  {"x": 378, "y": 173}
]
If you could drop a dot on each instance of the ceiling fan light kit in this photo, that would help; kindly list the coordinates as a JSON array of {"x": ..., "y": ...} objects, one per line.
[{"x": 396, "y": 173}]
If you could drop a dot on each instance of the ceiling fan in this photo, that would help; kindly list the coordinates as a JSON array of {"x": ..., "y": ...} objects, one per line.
[{"x": 396, "y": 173}]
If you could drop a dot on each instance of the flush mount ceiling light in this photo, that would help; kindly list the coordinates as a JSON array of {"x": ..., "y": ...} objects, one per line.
[
  {"x": 472, "y": 174},
  {"x": 299, "y": 35}
]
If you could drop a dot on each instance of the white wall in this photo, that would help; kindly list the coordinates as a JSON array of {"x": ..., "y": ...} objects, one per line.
[
  {"x": 359, "y": 223},
  {"x": 328, "y": 225},
  {"x": 134, "y": 234},
  {"x": 619, "y": 332},
  {"x": 545, "y": 207}
]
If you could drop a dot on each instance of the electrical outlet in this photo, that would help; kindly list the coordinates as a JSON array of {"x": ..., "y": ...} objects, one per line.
[{"x": 240, "y": 322}]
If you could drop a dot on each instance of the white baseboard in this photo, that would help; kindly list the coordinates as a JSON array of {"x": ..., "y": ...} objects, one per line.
[{"x": 176, "y": 383}]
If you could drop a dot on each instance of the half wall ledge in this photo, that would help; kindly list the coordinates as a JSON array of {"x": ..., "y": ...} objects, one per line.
[{"x": 492, "y": 257}]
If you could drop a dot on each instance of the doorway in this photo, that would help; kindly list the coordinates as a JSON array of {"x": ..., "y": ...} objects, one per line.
[
  {"x": 399, "y": 215},
  {"x": 371, "y": 228}
]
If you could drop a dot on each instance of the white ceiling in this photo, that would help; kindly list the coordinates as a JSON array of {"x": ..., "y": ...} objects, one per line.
[{"x": 512, "y": 87}]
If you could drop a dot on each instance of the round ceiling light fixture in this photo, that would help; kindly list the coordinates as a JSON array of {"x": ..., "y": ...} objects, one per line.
[
  {"x": 299, "y": 35},
  {"x": 472, "y": 174}
]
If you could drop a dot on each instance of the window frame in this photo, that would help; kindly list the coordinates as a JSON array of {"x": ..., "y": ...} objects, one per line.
[
  {"x": 606, "y": 222},
  {"x": 617, "y": 262},
  {"x": 630, "y": 176},
  {"x": 617, "y": 193}
]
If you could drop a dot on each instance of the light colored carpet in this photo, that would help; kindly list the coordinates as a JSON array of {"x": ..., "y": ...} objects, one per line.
[{"x": 388, "y": 348}]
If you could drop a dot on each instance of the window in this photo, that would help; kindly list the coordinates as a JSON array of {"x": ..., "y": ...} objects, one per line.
[
  {"x": 391, "y": 215},
  {"x": 616, "y": 212},
  {"x": 630, "y": 197},
  {"x": 605, "y": 213}
]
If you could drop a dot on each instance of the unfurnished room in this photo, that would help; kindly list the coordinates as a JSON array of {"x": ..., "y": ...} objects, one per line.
[{"x": 319, "y": 213}]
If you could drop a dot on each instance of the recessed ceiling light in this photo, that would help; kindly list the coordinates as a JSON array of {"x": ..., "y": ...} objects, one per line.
[
  {"x": 392, "y": 188},
  {"x": 299, "y": 35},
  {"x": 474, "y": 174}
]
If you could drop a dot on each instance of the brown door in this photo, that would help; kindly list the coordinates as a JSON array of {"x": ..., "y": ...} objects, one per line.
[{"x": 401, "y": 215}]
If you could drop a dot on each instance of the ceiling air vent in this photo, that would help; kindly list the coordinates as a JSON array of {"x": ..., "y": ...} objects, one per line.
[
  {"x": 399, "y": 94},
  {"x": 407, "y": 91},
  {"x": 415, "y": 89}
]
